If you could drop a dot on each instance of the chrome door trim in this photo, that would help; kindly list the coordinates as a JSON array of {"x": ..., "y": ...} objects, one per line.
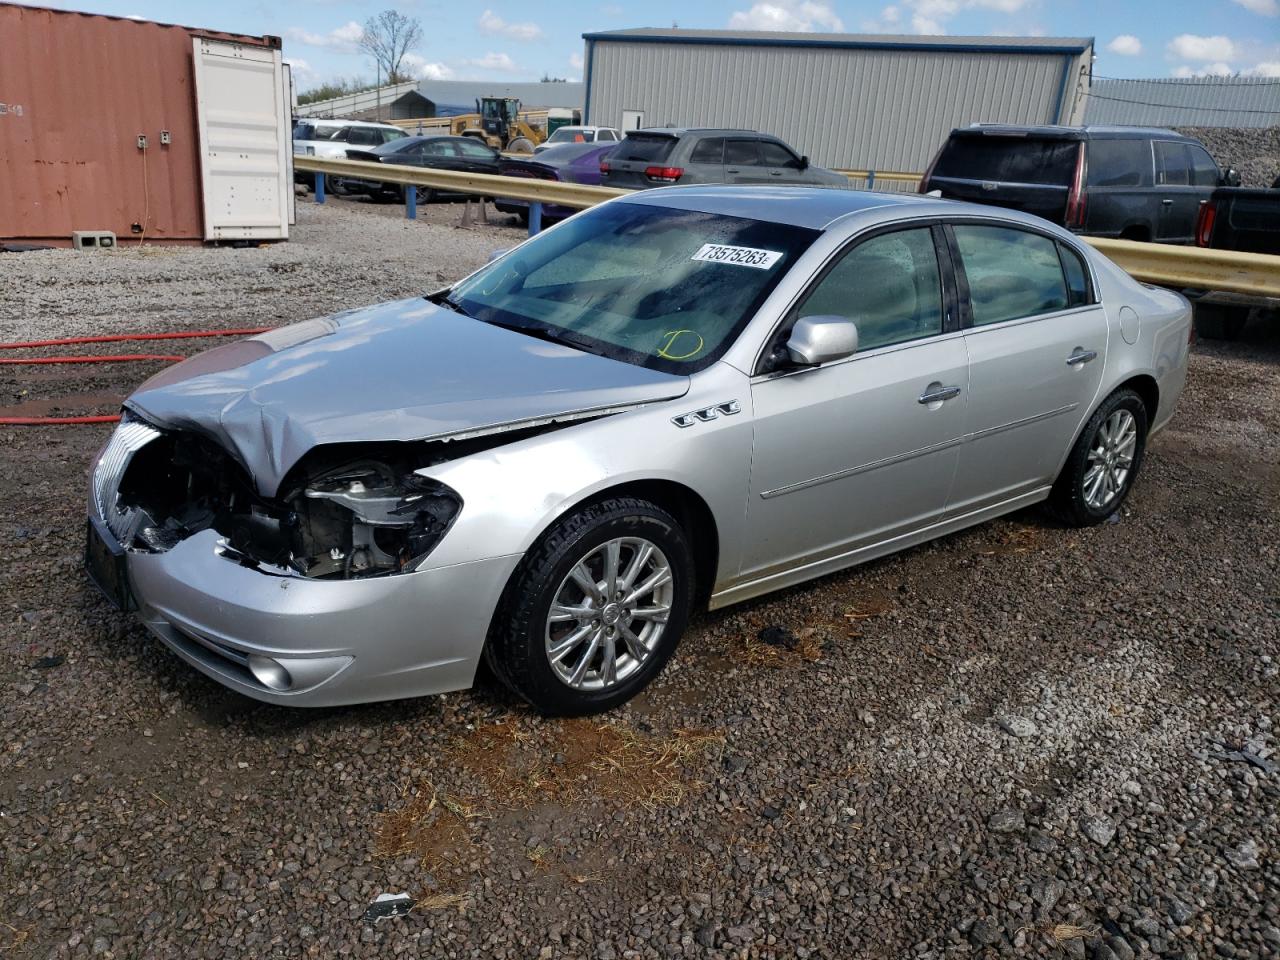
[
  {"x": 913, "y": 454},
  {"x": 811, "y": 565},
  {"x": 863, "y": 468}
]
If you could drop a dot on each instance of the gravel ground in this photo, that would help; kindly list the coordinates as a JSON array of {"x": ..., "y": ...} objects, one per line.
[{"x": 1020, "y": 740}]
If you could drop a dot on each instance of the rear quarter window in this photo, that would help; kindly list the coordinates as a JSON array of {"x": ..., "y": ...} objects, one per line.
[
  {"x": 1008, "y": 159},
  {"x": 645, "y": 147},
  {"x": 708, "y": 150},
  {"x": 1119, "y": 163}
]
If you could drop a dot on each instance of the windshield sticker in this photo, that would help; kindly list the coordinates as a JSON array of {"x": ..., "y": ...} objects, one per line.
[{"x": 738, "y": 256}]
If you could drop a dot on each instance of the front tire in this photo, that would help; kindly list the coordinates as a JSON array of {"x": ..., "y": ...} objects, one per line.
[
  {"x": 1104, "y": 462},
  {"x": 595, "y": 609}
]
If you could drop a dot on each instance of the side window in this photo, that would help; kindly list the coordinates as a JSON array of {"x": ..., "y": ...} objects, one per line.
[
  {"x": 1073, "y": 269},
  {"x": 363, "y": 136},
  {"x": 438, "y": 148},
  {"x": 470, "y": 147},
  {"x": 742, "y": 152},
  {"x": 606, "y": 135},
  {"x": 776, "y": 155},
  {"x": 1011, "y": 273},
  {"x": 343, "y": 135},
  {"x": 1119, "y": 163},
  {"x": 890, "y": 286},
  {"x": 710, "y": 150},
  {"x": 1171, "y": 163},
  {"x": 389, "y": 135},
  {"x": 1204, "y": 171}
]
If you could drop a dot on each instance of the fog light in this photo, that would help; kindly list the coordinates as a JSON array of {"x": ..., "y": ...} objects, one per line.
[{"x": 270, "y": 673}]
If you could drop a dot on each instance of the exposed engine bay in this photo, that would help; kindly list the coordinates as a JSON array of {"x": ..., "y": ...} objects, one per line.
[{"x": 341, "y": 514}]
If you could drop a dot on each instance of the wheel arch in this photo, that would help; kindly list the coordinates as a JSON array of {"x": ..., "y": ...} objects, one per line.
[
  {"x": 1146, "y": 387},
  {"x": 690, "y": 510}
]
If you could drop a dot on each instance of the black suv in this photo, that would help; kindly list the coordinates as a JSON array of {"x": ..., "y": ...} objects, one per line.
[{"x": 1135, "y": 183}]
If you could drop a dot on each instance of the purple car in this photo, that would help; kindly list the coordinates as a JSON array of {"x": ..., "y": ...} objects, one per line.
[{"x": 565, "y": 162}]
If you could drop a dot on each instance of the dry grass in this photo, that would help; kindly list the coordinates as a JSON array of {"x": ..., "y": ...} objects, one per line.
[
  {"x": 570, "y": 762},
  {"x": 17, "y": 936},
  {"x": 1013, "y": 540},
  {"x": 440, "y": 901},
  {"x": 1062, "y": 932}
]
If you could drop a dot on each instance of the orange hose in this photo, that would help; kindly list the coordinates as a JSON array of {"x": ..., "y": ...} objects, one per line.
[
  {"x": 115, "y": 337},
  {"x": 112, "y": 358},
  {"x": 42, "y": 421}
]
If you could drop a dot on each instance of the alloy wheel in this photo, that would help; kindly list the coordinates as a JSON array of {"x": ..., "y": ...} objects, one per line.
[
  {"x": 1110, "y": 459},
  {"x": 609, "y": 613}
]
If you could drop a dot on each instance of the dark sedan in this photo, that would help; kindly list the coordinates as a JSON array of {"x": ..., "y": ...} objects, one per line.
[
  {"x": 463, "y": 154},
  {"x": 564, "y": 162}
]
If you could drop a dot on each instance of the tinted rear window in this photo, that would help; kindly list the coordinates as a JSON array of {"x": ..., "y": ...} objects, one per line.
[
  {"x": 640, "y": 146},
  {"x": 1011, "y": 159},
  {"x": 1119, "y": 163}
]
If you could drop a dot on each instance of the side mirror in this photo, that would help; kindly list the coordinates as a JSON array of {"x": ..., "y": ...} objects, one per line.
[
  {"x": 1231, "y": 178},
  {"x": 804, "y": 163},
  {"x": 821, "y": 339}
]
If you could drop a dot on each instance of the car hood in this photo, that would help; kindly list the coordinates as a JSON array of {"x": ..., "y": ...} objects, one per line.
[{"x": 405, "y": 370}]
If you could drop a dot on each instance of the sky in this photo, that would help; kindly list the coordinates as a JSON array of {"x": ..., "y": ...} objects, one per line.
[{"x": 502, "y": 40}]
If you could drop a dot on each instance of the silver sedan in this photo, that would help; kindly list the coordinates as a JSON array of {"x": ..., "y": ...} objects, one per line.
[{"x": 682, "y": 398}]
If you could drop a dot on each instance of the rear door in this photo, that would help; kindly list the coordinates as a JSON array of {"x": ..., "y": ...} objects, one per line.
[
  {"x": 742, "y": 163},
  {"x": 1120, "y": 181},
  {"x": 1019, "y": 171},
  {"x": 1036, "y": 340},
  {"x": 476, "y": 157},
  {"x": 1179, "y": 196},
  {"x": 637, "y": 153},
  {"x": 706, "y": 161}
]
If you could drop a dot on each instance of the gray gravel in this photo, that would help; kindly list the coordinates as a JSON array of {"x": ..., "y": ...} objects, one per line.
[{"x": 868, "y": 800}]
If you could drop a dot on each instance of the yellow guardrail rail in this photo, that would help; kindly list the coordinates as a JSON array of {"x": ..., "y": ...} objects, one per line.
[
  {"x": 476, "y": 184},
  {"x": 1190, "y": 268},
  {"x": 887, "y": 176},
  {"x": 1194, "y": 268}
]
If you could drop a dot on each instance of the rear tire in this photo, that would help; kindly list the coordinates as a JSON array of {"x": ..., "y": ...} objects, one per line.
[
  {"x": 610, "y": 633},
  {"x": 1220, "y": 321},
  {"x": 1103, "y": 463}
]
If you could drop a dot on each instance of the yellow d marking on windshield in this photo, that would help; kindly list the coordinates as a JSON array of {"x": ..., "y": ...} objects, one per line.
[{"x": 674, "y": 335}]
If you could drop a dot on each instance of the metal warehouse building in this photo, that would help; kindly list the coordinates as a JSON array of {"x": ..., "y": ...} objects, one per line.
[
  {"x": 848, "y": 101},
  {"x": 1186, "y": 102}
]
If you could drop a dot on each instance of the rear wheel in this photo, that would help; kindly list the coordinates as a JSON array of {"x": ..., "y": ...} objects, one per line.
[
  {"x": 335, "y": 186},
  {"x": 1101, "y": 468},
  {"x": 595, "y": 609}
]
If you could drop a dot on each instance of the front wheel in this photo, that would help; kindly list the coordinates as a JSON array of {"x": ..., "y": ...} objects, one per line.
[
  {"x": 1101, "y": 468},
  {"x": 595, "y": 609}
]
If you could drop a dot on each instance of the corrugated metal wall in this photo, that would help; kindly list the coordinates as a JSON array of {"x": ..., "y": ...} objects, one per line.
[
  {"x": 78, "y": 89},
  {"x": 844, "y": 107},
  {"x": 1191, "y": 102}
]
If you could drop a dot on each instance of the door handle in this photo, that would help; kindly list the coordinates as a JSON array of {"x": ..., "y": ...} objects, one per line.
[
  {"x": 1080, "y": 356},
  {"x": 778, "y": 173},
  {"x": 1167, "y": 202},
  {"x": 938, "y": 394},
  {"x": 732, "y": 170}
]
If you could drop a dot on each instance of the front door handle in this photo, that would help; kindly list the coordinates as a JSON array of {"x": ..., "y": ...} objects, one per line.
[
  {"x": 936, "y": 393},
  {"x": 1080, "y": 356},
  {"x": 1167, "y": 201}
]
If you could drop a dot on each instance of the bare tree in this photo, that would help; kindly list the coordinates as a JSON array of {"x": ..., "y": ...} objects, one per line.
[{"x": 387, "y": 38}]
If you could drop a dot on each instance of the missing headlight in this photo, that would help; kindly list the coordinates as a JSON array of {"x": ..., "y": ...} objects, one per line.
[{"x": 365, "y": 519}]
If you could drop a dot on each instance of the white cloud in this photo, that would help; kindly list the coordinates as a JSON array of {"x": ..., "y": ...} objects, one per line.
[
  {"x": 1268, "y": 8},
  {"x": 575, "y": 61},
  {"x": 1210, "y": 70},
  {"x": 342, "y": 38},
  {"x": 304, "y": 75},
  {"x": 494, "y": 61},
  {"x": 1268, "y": 68},
  {"x": 422, "y": 69},
  {"x": 795, "y": 15},
  {"x": 493, "y": 24},
  {"x": 1188, "y": 46},
  {"x": 1127, "y": 45},
  {"x": 931, "y": 16}
]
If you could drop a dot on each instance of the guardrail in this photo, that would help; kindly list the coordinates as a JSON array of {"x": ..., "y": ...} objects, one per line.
[
  {"x": 871, "y": 177},
  {"x": 1190, "y": 268}
]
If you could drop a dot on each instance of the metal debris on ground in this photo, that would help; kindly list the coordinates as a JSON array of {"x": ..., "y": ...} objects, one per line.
[{"x": 388, "y": 905}]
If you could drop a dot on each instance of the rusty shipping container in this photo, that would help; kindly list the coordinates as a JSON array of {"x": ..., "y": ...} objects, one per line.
[{"x": 78, "y": 90}]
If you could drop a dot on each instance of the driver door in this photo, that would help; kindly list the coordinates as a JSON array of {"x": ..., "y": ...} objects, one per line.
[{"x": 862, "y": 450}]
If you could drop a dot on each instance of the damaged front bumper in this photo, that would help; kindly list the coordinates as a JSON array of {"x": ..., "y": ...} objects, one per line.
[{"x": 301, "y": 642}]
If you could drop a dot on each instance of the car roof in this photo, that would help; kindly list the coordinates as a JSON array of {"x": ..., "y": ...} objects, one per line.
[
  {"x": 337, "y": 122},
  {"x": 812, "y": 207},
  {"x": 700, "y": 131},
  {"x": 817, "y": 208},
  {"x": 1087, "y": 132}
]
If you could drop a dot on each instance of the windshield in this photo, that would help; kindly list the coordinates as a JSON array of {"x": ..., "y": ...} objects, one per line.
[
  {"x": 653, "y": 286},
  {"x": 572, "y": 135},
  {"x": 1008, "y": 159}
]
